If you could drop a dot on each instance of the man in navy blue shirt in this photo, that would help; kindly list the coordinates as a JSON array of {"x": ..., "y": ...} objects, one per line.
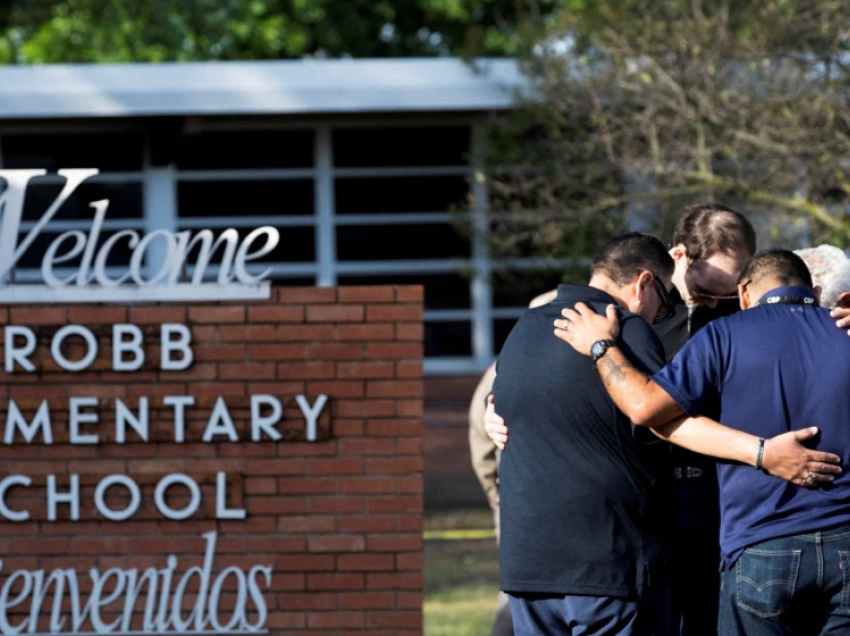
[{"x": 785, "y": 550}]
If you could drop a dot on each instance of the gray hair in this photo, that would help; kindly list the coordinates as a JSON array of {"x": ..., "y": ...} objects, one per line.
[{"x": 830, "y": 270}]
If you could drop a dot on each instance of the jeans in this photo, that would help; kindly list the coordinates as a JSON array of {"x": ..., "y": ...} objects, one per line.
[
  {"x": 546, "y": 615},
  {"x": 796, "y": 585}
]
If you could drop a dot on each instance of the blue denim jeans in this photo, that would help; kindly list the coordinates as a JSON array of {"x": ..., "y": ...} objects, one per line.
[{"x": 796, "y": 585}]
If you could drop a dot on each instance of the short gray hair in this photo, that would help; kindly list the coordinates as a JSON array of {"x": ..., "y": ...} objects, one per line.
[{"x": 830, "y": 270}]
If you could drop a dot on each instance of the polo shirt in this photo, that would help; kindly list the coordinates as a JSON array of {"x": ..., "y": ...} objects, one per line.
[
  {"x": 577, "y": 505},
  {"x": 777, "y": 367}
]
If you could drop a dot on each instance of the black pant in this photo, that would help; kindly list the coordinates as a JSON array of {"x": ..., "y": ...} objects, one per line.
[{"x": 695, "y": 586}]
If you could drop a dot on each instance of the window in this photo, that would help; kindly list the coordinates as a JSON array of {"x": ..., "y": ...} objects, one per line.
[
  {"x": 400, "y": 194},
  {"x": 109, "y": 152},
  {"x": 395, "y": 242},
  {"x": 448, "y": 339},
  {"x": 396, "y": 146},
  {"x": 245, "y": 198},
  {"x": 125, "y": 200},
  {"x": 244, "y": 149}
]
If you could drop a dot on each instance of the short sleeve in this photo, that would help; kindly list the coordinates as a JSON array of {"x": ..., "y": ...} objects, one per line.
[
  {"x": 693, "y": 376},
  {"x": 641, "y": 345}
]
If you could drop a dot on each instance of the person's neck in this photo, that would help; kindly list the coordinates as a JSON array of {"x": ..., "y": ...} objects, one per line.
[
  {"x": 603, "y": 283},
  {"x": 766, "y": 285}
]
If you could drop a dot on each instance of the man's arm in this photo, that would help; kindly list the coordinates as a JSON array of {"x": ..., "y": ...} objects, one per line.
[
  {"x": 784, "y": 456},
  {"x": 482, "y": 450}
]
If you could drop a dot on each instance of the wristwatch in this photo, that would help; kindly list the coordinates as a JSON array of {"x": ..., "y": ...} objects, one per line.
[{"x": 598, "y": 349}]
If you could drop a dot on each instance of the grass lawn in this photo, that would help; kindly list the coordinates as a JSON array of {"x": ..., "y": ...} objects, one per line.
[{"x": 461, "y": 578}]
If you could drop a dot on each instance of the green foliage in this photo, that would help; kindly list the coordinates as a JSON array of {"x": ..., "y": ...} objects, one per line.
[{"x": 75, "y": 31}]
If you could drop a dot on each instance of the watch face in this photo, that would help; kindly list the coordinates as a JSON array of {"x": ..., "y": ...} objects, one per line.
[{"x": 597, "y": 349}]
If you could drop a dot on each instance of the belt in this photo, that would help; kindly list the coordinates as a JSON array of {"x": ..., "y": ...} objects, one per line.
[{"x": 687, "y": 472}]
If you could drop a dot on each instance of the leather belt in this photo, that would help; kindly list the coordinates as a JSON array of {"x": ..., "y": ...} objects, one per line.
[{"x": 687, "y": 472}]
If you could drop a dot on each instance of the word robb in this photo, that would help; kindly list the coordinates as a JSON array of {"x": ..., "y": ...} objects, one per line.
[
  {"x": 157, "y": 262},
  {"x": 266, "y": 411}
]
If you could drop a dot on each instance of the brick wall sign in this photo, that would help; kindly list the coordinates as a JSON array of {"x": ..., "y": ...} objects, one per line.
[{"x": 239, "y": 467}]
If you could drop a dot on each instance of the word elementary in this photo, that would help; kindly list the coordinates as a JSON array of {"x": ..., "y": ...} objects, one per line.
[{"x": 128, "y": 354}]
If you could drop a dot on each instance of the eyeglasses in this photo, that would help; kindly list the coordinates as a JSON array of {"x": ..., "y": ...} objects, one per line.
[{"x": 667, "y": 309}]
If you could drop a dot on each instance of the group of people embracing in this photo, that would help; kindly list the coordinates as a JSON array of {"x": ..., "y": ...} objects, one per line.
[{"x": 673, "y": 438}]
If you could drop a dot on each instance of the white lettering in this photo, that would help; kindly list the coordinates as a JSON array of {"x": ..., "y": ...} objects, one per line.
[
  {"x": 133, "y": 346},
  {"x": 194, "y": 497},
  {"x": 54, "y": 498},
  {"x": 5, "y": 511},
  {"x": 5, "y": 626},
  {"x": 51, "y": 259},
  {"x": 171, "y": 345},
  {"x": 242, "y": 255},
  {"x": 100, "y": 497},
  {"x": 124, "y": 416},
  {"x": 16, "y": 420},
  {"x": 179, "y": 402},
  {"x": 265, "y": 424},
  {"x": 311, "y": 413},
  {"x": 59, "y": 338},
  {"x": 220, "y": 423},
  {"x": 19, "y": 354},
  {"x": 83, "y": 276},
  {"x": 221, "y": 509},
  {"x": 139, "y": 253},
  {"x": 103, "y": 254},
  {"x": 76, "y": 418}
]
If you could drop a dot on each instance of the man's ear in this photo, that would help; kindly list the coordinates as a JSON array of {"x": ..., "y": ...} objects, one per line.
[
  {"x": 679, "y": 252},
  {"x": 743, "y": 297},
  {"x": 843, "y": 300}
]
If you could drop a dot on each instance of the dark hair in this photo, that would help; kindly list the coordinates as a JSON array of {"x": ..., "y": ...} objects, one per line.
[
  {"x": 627, "y": 255},
  {"x": 783, "y": 265},
  {"x": 712, "y": 228}
]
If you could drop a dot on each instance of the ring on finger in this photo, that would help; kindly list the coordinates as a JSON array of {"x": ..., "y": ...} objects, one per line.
[{"x": 810, "y": 478}]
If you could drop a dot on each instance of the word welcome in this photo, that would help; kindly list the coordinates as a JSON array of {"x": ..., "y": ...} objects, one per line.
[
  {"x": 161, "y": 590},
  {"x": 144, "y": 280}
]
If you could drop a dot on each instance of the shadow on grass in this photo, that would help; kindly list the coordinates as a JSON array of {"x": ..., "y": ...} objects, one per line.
[{"x": 461, "y": 587}]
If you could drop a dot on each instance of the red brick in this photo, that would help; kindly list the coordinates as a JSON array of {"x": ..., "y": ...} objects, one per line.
[
  {"x": 275, "y": 351},
  {"x": 396, "y": 620},
  {"x": 347, "y": 428},
  {"x": 335, "y": 620},
  {"x": 394, "y": 313},
  {"x": 409, "y": 485},
  {"x": 394, "y": 466},
  {"x": 305, "y": 370},
  {"x": 408, "y": 369},
  {"x": 394, "y": 542},
  {"x": 366, "y": 485},
  {"x": 247, "y": 371},
  {"x": 394, "y": 351},
  {"x": 406, "y": 503},
  {"x": 335, "y": 466},
  {"x": 329, "y": 582},
  {"x": 363, "y": 370},
  {"x": 38, "y": 545},
  {"x": 275, "y": 505},
  {"x": 409, "y": 523},
  {"x": 218, "y": 352},
  {"x": 335, "y": 351},
  {"x": 409, "y": 600},
  {"x": 335, "y": 313},
  {"x": 306, "y": 485},
  {"x": 409, "y": 408},
  {"x": 311, "y": 601},
  {"x": 88, "y": 315},
  {"x": 217, "y": 314},
  {"x": 246, "y": 333},
  {"x": 334, "y": 505},
  {"x": 157, "y": 315},
  {"x": 287, "y": 620},
  {"x": 409, "y": 293},
  {"x": 394, "y": 428},
  {"x": 409, "y": 561},
  {"x": 42, "y": 315},
  {"x": 308, "y": 563},
  {"x": 366, "y": 446},
  {"x": 366, "y": 294},
  {"x": 293, "y": 295},
  {"x": 102, "y": 545},
  {"x": 410, "y": 331},
  {"x": 365, "y": 408},
  {"x": 368, "y": 332},
  {"x": 370, "y": 523},
  {"x": 305, "y": 333},
  {"x": 338, "y": 389},
  {"x": 275, "y": 314},
  {"x": 409, "y": 446},
  {"x": 365, "y": 562},
  {"x": 367, "y": 600},
  {"x": 309, "y": 523},
  {"x": 336, "y": 543},
  {"x": 394, "y": 388},
  {"x": 394, "y": 580},
  {"x": 274, "y": 545}
]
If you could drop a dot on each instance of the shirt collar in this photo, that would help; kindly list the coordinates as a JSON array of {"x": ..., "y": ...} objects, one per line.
[{"x": 788, "y": 291}]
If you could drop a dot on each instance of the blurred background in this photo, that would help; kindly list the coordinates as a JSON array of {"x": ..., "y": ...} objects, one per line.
[{"x": 481, "y": 148}]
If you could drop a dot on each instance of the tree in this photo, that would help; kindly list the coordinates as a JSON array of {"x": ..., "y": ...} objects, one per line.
[
  {"x": 636, "y": 109},
  {"x": 74, "y": 31}
]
